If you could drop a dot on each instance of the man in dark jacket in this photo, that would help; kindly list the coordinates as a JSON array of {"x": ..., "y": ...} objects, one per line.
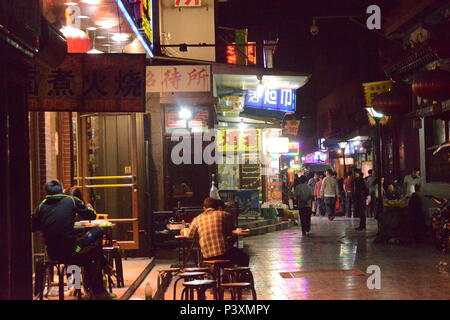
[
  {"x": 359, "y": 199},
  {"x": 55, "y": 216}
]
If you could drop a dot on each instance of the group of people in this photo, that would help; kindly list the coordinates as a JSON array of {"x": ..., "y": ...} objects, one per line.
[{"x": 357, "y": 196}]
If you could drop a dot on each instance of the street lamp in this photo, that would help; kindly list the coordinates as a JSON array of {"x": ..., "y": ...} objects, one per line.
[
  {"x": 343, "y": 145},
  {"x": 377, "y": 116}
]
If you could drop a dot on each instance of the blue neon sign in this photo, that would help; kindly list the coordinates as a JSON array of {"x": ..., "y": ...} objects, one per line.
[{"x": 272, "y": 99}]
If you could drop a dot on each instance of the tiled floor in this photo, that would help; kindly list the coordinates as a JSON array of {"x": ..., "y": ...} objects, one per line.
[
  {"x": 287, "y": 265},
  {"x": 132, "y": 268},
  {"x": 407, "y": 272}
]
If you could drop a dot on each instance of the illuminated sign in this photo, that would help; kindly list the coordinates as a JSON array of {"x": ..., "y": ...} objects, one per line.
[
  {"x": 278, "y": 145},
  {"x": 147, "y": 18},
  {"x": 139, "y": 21},
  {"x": 250, "y": 53},
  {"x": 238, "y": 140},
  {"x": 272, "y": 99},
  {"x": 231, "y": 55},
  {"x": 188, "y": 3}
]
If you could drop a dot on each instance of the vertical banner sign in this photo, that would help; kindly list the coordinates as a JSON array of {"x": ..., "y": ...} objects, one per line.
[
  {"x": 251, "y": 53},
  {"x": 147, "y": 19},
  {"x": 187, "y": 3},
  {"x": 238, "y": 140},
  {"x": 90, "y": 83}
]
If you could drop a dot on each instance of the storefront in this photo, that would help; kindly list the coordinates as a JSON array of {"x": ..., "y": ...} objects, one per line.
[{"x": 251, "y": 107}]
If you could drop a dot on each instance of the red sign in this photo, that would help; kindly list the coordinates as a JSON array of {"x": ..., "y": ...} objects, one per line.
[
  {"x": 188, "y": 3},
  {"x": 231, "y": 55},
  {"x": 90, "y": 83},
  {"x": 251, "y": 53}
]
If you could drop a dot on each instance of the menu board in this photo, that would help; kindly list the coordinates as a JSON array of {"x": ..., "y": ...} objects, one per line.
[{"x": 250, "y": 172}]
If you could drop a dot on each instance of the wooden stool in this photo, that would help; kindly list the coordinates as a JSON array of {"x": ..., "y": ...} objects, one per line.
[
  {"x": 114, "y": 258},
  {"x": 217, "y": 265},
  {"x": 236, "y": 289},
  {"x": 200, "y": 286},
  {"x": 198, "y": 269},
  {"x": 186, "y": 277},
  {"x": 161, "y": 274},
  {"x": 49, "y": 268},
  {"x": 239, "y": 274}
]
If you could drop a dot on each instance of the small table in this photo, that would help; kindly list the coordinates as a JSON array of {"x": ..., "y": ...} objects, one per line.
[{"x": 107, "y": 228}]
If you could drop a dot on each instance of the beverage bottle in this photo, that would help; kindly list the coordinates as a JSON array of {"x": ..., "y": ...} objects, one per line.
[{"x": 148, "y": 292}]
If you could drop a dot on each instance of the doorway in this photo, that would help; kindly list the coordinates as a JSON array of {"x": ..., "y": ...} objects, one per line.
[{"x": 106, "y": 170}]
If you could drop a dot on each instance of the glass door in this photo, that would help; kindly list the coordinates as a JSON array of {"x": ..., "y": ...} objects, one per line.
[{"x": 106, "y": 158}]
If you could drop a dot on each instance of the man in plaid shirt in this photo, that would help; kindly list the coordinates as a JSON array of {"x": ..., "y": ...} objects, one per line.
[{"x": 214, "y": 229}]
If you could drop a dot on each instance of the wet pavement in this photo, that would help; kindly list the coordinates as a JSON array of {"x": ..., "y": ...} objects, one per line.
[{"x": 331, "y": 263}]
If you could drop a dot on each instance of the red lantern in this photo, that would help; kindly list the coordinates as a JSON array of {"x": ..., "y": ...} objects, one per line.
[
  {"x": 394, "y": 102},
  {"x": 432, "y": 85},
  {"x": 77, "y": 40}
]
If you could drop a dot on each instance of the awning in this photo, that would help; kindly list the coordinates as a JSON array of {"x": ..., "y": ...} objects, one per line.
[{"x": 237, "y": 78}]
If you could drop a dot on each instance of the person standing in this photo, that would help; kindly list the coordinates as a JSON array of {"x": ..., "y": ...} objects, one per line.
[
  {"x": 312, "y": 183},
  {"x": 329, "y": 192},
  {"x": 360, "y": 193},
  {"x": 319, "y": 201},
  {"x": 410, "y": 182},
  {"x": 371, "y": 186},
  {"x": 304, "y": 197},
  {"x": 349, "y": 190}
]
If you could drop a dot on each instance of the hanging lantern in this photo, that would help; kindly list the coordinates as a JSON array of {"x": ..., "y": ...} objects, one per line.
[
  {"x": 77, "y": 40},
  {"x": 433, "y": 85},
  {"x": 396, "y": 101}
]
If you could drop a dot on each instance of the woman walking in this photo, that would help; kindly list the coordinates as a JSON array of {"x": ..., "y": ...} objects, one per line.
[{"x": 304, "y": 198}]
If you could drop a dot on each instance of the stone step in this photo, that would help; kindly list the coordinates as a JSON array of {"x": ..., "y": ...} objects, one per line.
[
  {"x": 249, "y": 224},
  {"x": 277, "y": 226}
]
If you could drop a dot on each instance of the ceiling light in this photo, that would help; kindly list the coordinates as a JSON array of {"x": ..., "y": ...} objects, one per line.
[
  {"x": 184, "y": 114},
  {"x": 101, "y": 37},
  {"x": 107, "y": 23},
  {"x": 91, "y": 28},
  {"x": 120, "y": 37},
  {"x": 91, "y": 1},
  {"x": 82, "y": 17},
  {"x": 374, "y": 113},
  {"x": 95, "y": 51},
  {"x": 107, "y": 45},
  {"x": 70, "y": 3}
]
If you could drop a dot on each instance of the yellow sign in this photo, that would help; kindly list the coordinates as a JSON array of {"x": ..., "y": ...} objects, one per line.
[
  {"x": 371, "y": 89},
  {"x": 147, "y": 19},
  {"x": 238, "y": 140}
]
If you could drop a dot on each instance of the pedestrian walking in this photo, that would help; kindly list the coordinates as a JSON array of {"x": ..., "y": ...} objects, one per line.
[
  {"x": 329, "y": 192},
  {"x": 304, "y": 197},
  {"x": 360, "y": 193}
]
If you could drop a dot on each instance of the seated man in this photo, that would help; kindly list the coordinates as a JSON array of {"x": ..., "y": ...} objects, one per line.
[
  {"x": 55, "y": 216},
  {"x": 214, "y": 229}
]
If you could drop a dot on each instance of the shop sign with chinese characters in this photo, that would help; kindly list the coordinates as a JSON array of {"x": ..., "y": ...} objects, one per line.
[
  {"x": 271, "y": 99},
  {"x": 195, "y": 78},
  {"x": 291, "y": 127},
  {"x": 238, "y": 140},
  {"x": 187, "y": 3},
  {"x": 90, "y": 83}
]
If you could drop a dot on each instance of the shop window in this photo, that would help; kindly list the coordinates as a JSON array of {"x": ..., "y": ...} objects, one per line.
[{"x": 436, "y": 133}]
